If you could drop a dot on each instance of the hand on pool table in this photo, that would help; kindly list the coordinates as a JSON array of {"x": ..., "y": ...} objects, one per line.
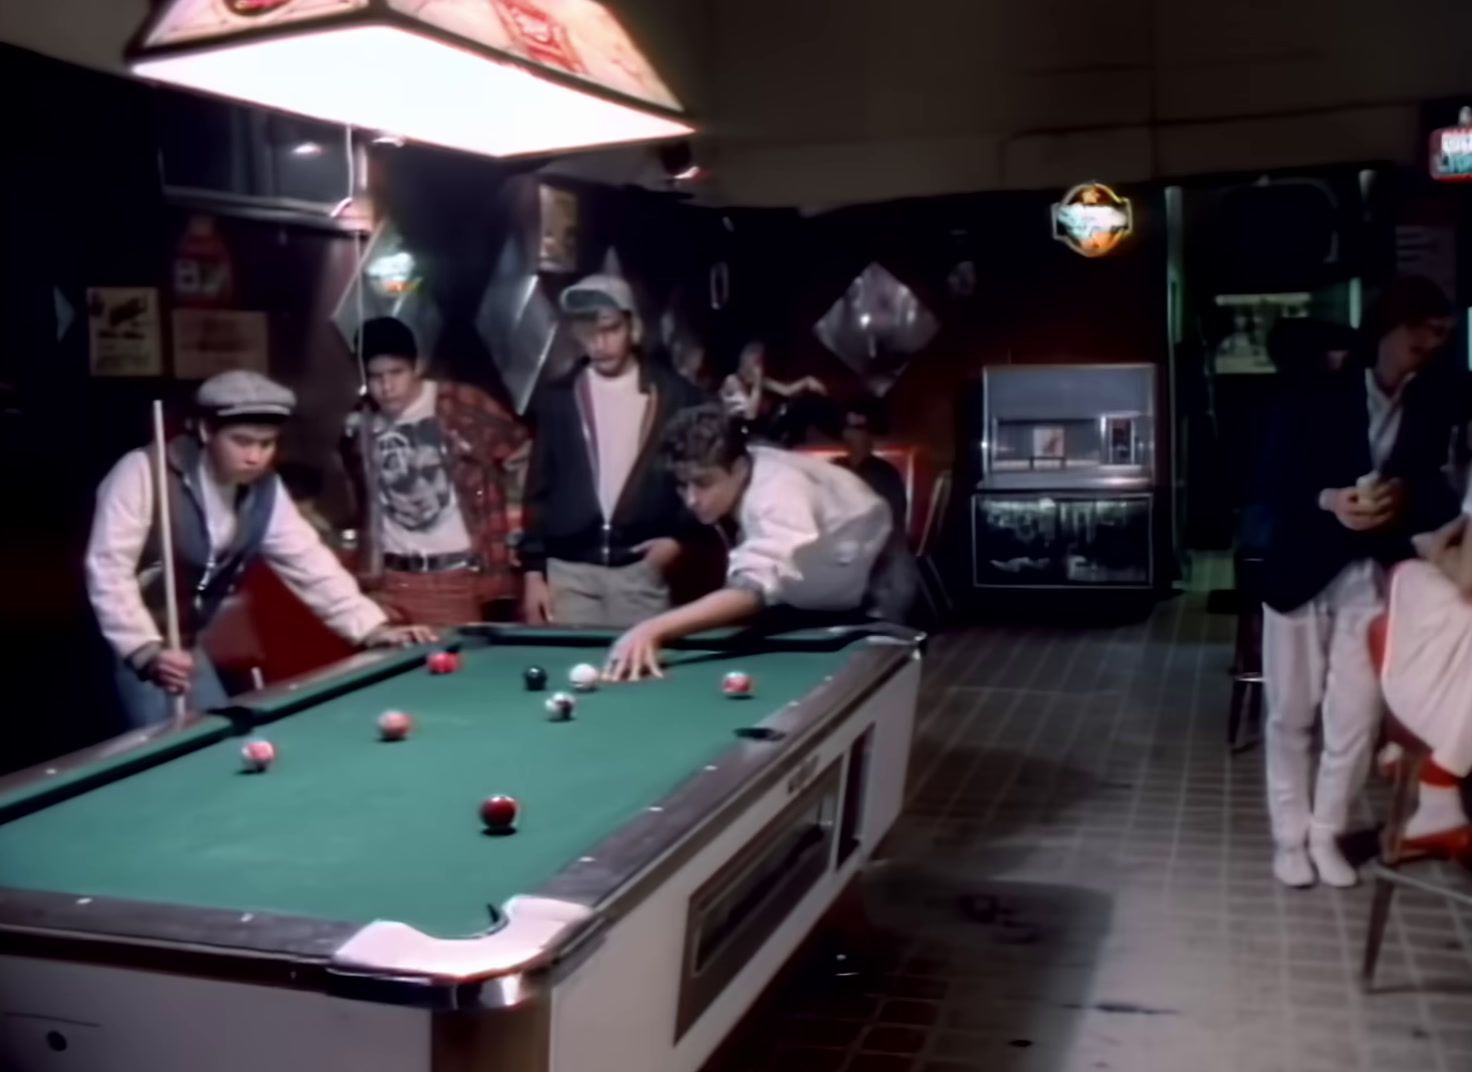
[
  {"x": 635, "y": 654},
  {"x": 171, "y": 670},
  {"x": 400, "y": 636}
]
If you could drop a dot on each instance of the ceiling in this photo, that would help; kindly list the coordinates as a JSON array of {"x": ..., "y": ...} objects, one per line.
[{"x": 821, "y": 103}]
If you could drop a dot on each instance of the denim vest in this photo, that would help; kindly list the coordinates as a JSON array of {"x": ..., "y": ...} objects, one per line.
[{"x": 202, "y": 579}]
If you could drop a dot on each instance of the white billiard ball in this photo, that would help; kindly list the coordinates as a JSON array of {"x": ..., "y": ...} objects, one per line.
[{"x": 584, "y": 677}]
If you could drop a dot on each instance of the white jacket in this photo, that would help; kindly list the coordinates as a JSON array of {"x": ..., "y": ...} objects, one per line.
[
  {"x": 292, "y": 548},
  {"x": 810, "y": 533}
]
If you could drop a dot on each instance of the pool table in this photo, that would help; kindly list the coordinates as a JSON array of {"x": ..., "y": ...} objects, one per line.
[{"x": 162, "y": 908}]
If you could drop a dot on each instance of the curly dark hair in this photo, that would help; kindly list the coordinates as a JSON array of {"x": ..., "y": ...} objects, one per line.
[{"x": 704, "y": 436}]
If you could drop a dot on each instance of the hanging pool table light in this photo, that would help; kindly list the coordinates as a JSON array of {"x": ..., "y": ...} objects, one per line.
[{"x": 499, "y": 77}]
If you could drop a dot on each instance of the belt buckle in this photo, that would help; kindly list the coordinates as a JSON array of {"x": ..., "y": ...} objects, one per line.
[{"x": 420, "y": 562}]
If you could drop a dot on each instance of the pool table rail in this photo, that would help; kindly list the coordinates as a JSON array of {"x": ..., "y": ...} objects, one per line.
[
  {"x": 32, "y": 788},
  {"x": 676, "y": 828}
]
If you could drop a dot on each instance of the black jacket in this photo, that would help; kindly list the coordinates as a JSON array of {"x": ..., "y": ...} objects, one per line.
[
  {"x": 562, "y": 517},
  {"x": 1321, "y": 440}
]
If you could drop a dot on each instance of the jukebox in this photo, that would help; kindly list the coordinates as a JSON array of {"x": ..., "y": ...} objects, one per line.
[{"x": 1063, "y": 488}]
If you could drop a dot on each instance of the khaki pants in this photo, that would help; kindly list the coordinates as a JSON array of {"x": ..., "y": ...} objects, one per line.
[{"x": 607, "y": 596}]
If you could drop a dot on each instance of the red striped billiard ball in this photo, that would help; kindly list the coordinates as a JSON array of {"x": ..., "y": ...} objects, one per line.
[
  {"x": 737, "y": 683},
  {"x": 443, "y": 662},
  {"x": 498, "y": 813},
  {"x": 257, "y": 755},
  {"x": 394, "y": 725}
]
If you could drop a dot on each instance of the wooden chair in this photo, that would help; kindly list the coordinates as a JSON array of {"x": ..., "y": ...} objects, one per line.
[{"x": 927, "y": 551}]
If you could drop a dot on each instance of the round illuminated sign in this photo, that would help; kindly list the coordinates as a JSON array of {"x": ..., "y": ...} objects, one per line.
[{"x": 1092, "y": 219}]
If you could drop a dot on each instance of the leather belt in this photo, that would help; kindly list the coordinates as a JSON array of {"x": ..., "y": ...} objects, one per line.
[{"x": 431, "y": 563}]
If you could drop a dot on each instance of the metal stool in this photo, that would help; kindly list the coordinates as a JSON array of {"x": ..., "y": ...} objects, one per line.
[
  {"x": 1247, "y": 695},
  {"x": 1387, "y": 868}
]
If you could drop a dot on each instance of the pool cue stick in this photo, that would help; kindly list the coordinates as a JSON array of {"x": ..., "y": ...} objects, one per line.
[
  {"x": 166, "y": 544},
  {"x": 370, "y": 565}
]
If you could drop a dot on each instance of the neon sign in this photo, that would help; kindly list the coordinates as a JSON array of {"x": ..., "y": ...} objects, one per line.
[
  {"x": 1451, "y": 150},
  {"x": 1092, "y": 220}
]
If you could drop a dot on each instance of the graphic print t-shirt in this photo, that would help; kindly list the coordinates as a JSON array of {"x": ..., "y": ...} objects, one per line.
[{"x": 421, "y": 515}]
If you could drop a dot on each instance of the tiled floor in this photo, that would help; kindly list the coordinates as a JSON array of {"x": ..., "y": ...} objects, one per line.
[{"x": 1080, "y": 883}]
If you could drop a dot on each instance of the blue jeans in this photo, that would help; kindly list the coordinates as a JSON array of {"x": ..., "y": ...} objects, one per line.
[{"x": 143, "y": 703}]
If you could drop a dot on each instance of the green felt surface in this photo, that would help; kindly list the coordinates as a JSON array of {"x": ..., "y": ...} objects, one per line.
[
  {"x": 346, "y": 827},
  {"x": 112, "y": 760}
]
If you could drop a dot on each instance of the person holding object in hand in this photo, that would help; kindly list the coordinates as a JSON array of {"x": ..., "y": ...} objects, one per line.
[
  {"x": 1354, "y": 471},
  {"x": 1371, "y": 504},
  {"x": 228, "y": 510}
]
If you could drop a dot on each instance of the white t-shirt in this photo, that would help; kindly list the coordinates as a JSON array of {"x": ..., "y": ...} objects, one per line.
[
  {"x": 420, "y": 512},
  {"x": 618, "y": 419}
]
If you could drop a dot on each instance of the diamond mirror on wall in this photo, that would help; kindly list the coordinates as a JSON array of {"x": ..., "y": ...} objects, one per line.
[
  {"x": 519, "y": 323},
  {"x": 876, "y": 327},
  {"x": 392, "y": 283}
]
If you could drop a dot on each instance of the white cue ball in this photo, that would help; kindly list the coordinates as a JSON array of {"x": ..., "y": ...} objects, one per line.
[{"x": 584, "y": 677}]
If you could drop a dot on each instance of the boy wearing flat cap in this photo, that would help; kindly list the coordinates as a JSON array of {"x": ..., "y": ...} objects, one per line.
[{"x": 228, "y": 508}]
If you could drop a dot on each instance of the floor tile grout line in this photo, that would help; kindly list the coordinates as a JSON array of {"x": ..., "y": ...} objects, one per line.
[
  {"x": 1178, "y": 614},
  {"x": 962, "y": 725},
  {"x": 947, "y": 812},
  {"x": 1397, "y": 927},
  {"x": 1193, "y": 718},
  {"x": 1082, "y": 715},
  {"x": 923, "y": 724}
]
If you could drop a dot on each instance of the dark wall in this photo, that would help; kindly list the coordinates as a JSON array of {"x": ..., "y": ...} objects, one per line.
[
  {"x": 79, "y": 205},
  {"x": 1035, "y": 300}
]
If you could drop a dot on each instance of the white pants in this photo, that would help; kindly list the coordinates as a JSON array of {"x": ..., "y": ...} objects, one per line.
[
  {"x": 1316, "y": 660},
  {"x": 1428, "y": 663}
]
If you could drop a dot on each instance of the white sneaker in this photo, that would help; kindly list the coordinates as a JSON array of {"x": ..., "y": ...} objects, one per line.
[
  {"x": 1329, "y": 861},
  {"x": 1291, "y": 867}
]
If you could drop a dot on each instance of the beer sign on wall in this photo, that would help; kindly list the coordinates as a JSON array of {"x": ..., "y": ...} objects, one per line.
[
  {"x": 1092, "y": 220},
  {"x": 1451, "y": 150}
]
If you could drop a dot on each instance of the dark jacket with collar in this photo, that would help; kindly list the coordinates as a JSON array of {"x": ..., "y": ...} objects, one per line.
[
  {"x": 562, "y": 516},
  {"x": 1320, "y": 440}
]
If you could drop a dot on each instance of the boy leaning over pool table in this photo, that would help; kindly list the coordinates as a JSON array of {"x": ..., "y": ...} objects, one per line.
[
  {"x": 811, "y": 537},
  {"x": 228, "y": 509}
]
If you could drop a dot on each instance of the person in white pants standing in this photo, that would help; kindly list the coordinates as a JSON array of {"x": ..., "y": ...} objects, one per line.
[{"x": 1356, "y": 469}]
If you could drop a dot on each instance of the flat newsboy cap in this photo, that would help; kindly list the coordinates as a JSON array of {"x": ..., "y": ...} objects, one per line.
[{"x": 240, "y": 395}]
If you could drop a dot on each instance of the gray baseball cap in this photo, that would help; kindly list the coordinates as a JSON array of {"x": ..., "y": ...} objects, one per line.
[
  {"x": 240, "y": 395},
  {"x": 597, "y": 293}
]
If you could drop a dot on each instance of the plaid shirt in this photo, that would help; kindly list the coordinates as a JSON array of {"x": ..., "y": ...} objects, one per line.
[{"x": 485, "y": 444}]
